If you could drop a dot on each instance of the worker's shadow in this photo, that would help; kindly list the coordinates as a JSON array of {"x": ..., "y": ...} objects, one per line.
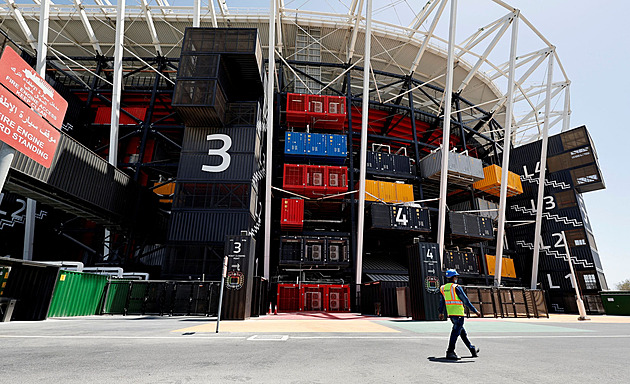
[{"x": 445, "y": 360}]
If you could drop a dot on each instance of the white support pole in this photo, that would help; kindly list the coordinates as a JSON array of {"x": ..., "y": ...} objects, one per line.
[
  {"x": 197, "y": 13},
  {"x": 578, "y": 296},
  {"x": 40, "y": 67},
  {"x": 364, "y": 145},
  {"x": 116, "y": 93},
  {"x": 446, "y": 129},
  {"x": 271, "y": 76},
  {"x": 507, "y": 142},
  {"x": 6, "y": 158},
  {"x": 541, "y": 177},
  {"x": 566, "y": 116}
]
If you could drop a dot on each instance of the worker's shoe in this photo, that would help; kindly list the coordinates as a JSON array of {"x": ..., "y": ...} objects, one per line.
[
  {"x": 473, "y": 351},
  {"x": 451, "y": 356}
]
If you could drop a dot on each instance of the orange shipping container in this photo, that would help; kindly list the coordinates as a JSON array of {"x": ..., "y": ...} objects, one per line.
[
  {"x": 507, "y": 266},
  {"x": 404, "y": 192},
  {"x": 492, "y": 182}
]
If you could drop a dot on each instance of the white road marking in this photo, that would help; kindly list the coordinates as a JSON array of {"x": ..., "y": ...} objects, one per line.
[{"x": 287, "y": 337}]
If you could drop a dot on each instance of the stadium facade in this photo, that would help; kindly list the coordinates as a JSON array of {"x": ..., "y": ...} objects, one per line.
[{"x": 329, "y": 171}]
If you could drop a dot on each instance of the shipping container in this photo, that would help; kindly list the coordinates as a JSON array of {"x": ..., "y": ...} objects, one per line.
[
  {"x": 469, "y": 226},
  {"x": 316, "y": 180},
  {"x": 201, "y": 167},
  {"x": 291, "y": 250},
  {"x": 314, "y": 250},
  {"x": 295, "y": 144},
  {"x": 294, "y": 178},
  {"x": 465, "y": 263},
  {"x": 425, "y": 275},
  {"x": 208, "y": 226},
  {"x": 32, "y": 284},
  {"x": 77, "y": 294},
  {"x": 404, "y": 192},
  {"x": 4, "y": 277},
  {"x": 243, "y": 114},
  {"x": 336, "y": 108},
  {"x": 616, "y": 302},
  {"x": 463, "y": 170},
  {"x": 317, "y": 109},
  {"x": 507, "y": 266},
  {"x": 337, "y": 180},
  {"x": 316, "y": 144},
  {"x": 297, "y": 109},
  {"x": 288, "y": 297},
  {"x": 241, "y": 50},
  {"x": 491, "y": 182},
  {"x": 242, "y": 139},
  {"x": 200, "y": 102},
  {"x": 338, "y": 251},
  {"x": 379, "y": 298},
  {"x": 292, "y": 215},
  {"x": 336, "y": 148},
  {"x": 380, "y": 216}
]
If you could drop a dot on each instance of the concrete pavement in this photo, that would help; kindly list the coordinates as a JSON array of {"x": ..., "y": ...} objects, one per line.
[{"x": 311, "y": 348}]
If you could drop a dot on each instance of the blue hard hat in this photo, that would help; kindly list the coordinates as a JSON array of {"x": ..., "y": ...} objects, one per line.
[{"x": 451, "y": 273}]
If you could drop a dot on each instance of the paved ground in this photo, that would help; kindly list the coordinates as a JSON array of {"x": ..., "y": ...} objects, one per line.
[{"x": 311, "y": 348}]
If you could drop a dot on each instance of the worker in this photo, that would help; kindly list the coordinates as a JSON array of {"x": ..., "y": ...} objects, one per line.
[{"x": 452, "y": 303}]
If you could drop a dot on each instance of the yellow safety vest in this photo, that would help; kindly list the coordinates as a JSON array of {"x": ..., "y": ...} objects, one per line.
[{"x": 454, "y": 306}]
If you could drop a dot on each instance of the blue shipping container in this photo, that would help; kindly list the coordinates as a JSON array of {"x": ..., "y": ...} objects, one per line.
[
  {"x": 315, "y": 144},
  {"x": 294, "y": 143},
  {"x": 337, "y": 146}
]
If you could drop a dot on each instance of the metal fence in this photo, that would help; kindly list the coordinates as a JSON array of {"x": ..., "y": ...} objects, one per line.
[
  {"x": 507, "y": 302},
  {"x": 161, "y": 298}
]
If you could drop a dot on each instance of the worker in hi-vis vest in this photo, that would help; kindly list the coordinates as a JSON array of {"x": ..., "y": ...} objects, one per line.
[{"x": 452, "y": 302}]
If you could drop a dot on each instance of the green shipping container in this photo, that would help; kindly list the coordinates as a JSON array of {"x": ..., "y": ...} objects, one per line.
[
  {"x": 616, "y": 302},
  {"x": 77, "y": 294}
]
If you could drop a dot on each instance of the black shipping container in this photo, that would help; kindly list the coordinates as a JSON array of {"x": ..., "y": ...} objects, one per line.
[
  {"x": 202, "y": 167},
  {"x": 425, "y": 276},
  {"x": 32, "y": 285},
  {"x": 470, "y": 226},
  {"x": 245, "y": 114},
  {"x": 200, "y": 102},
  {"x": 386, "y": 163},
  {"x": 208, "y": 226},
  {"x": 380, "y": 216},
  {"x": 337, "y": 251},
  {"x": 379, "y": 298},
  {"x": 314, "y": 251},
  {"x": 242, "y": 139},
  {"x": 291, "y": 250}
]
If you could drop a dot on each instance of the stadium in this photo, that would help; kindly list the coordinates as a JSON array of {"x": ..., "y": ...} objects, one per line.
[{"x": 314, "y": 180}]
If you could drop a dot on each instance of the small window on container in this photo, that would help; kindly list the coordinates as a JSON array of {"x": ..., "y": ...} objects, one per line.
[{"x": 590, "y": 282}]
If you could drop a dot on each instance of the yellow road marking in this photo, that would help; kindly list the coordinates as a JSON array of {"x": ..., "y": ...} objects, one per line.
[{"x": 294, "y": 326}]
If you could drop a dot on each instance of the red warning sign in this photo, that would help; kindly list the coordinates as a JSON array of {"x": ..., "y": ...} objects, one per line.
[
  {"x": 25, "y": 130},
  {"x": 28, "y": 85}
]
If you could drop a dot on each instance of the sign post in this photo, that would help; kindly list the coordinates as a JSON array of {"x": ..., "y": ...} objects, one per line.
[{"x": 223, "y": 276}]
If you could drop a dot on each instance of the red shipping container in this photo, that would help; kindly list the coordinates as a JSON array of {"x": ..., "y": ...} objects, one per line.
[
  {"x": 317, "y": 110},
  {"x": 313, "y": 297},
  {"x": 297, "y": 108},
  {"x": 104, "y": 116},
  {"x": 337, "y": 180},
  {"x": 292, "y": 216},
  {"x": 336, "y": 109},
  {"x": 316, "y": 180},
  {"x": 294, "y": 178}
]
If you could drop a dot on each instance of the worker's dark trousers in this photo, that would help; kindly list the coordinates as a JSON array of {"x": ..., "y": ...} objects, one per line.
[{"x": 458, "y": 330}]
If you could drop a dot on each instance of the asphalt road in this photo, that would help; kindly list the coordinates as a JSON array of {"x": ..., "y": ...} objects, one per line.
[{"x": 186, "y": 350}]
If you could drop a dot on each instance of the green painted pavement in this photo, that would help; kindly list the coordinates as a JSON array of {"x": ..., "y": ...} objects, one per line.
[{"x": 478, "y": 327}]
